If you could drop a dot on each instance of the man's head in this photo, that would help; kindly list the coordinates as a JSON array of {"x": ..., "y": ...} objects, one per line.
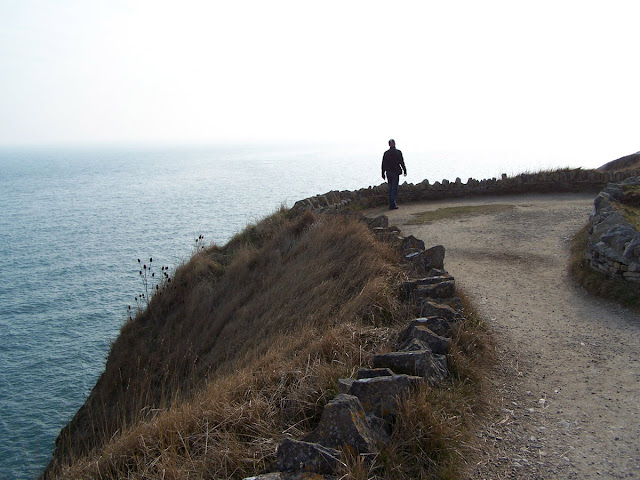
[{"x": 392, "y": 143}]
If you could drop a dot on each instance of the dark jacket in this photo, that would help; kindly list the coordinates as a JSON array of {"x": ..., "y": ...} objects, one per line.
[{"x": 392, "y": 161}]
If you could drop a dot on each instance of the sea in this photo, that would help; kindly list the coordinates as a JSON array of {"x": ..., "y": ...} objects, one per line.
[{"x": 74, "y": 220}]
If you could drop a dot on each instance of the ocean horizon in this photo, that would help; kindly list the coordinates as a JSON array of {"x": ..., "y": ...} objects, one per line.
[{"x": 74, "y": 221}]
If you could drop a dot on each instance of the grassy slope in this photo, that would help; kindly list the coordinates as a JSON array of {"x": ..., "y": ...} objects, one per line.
[
  {"x": 272, "y": 301},
  {"x": 246, "y": 346},
  {"x": 623, "y": 164}
]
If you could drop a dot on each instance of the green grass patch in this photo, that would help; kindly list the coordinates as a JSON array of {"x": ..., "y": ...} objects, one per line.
[
  {"x": 450, "y": 213},
  {"x": 596, "y": 283}
]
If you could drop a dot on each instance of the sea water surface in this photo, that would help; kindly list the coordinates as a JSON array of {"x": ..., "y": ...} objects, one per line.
[{"x": 74, "y": 221}]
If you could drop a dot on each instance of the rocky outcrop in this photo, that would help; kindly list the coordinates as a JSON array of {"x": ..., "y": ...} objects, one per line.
[
  {"x": 614, "y": 242},
  {"x": 359, "y": 420},
  {"x": 576, "y": 180}
]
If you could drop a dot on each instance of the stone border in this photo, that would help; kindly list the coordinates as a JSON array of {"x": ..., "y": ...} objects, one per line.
[
  {"x": 614, "y": 244},
  {"x": 576, "y": 180},
  {"x": 359, "y": 420}
]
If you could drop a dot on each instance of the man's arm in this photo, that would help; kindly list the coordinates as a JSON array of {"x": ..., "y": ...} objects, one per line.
[{"x": 404, "y": 168}]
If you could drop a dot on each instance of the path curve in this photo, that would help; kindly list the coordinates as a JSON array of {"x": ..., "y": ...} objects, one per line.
[{"x": 568, "y": 383}]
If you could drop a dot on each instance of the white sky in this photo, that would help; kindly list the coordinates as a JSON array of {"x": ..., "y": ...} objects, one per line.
[{"x": 535, "y": 76}]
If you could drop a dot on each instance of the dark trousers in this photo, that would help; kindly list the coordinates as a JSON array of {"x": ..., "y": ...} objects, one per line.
[{"x": 394, "y": 179}]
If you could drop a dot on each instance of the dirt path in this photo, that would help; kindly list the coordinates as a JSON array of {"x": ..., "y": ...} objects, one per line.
[{"x": 569, "y": 381}]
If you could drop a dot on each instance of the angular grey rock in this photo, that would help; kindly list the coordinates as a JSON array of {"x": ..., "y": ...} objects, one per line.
[
  {"x": 613, "y": 192},
  {"x": 421, "y": 363},
  {"x": 380, "y": 395},
  {"x": 618, "y": 237},
  {"x": 445, "y": 289},
  {"x": 344, "y": 384},
  {"x": 428, "y": 259},
  {"x": 411, "y": 286},
  {"x": 414, "y": 345},
  {"x": 437, "y": 325},
  {"x": 298, "y": 456},
  {"x": 411, "y": 244},
  {"x": 436, "y": 343},
  {"x": 268, "y": 476},
  {"x": 373, "y": 373},
  {"x": 632, "y": 250},
  {"x": 429, "y": 308},
  {"x": 379, "y": 221},
  {"x": 344, "y": 425}
]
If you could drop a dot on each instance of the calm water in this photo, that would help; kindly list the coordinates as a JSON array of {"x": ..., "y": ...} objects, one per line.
[{"x": 73, "y": 223}]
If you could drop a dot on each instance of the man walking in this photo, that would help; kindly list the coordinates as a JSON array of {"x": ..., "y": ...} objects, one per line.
[{"x": 393, "y": 166}]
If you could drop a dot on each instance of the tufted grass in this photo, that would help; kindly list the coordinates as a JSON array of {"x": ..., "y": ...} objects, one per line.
[
  {"x": 245, "y": 349},
  {"x": 433, "y": 436}
]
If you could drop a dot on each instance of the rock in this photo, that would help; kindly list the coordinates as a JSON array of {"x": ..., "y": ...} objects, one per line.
[
  {"x": 344, "y": 425},
  {"x": 380, "y": 395},
  {"x": 373, "y": 373},
  {"x": 428, "y": 259},
  {"x": 414, "y": 345},
  {"x": 632, "y": 250},
  {"x": 411, "y": 244},
  {"x": 436, "y": 343},
  {"x": 445, "y": 289},
  {"x": 618, "y": 237},
  {"x": 429, "y": 308},
  {"x": 614, "y": 244},
  {"x": 379, "y": 221},
  {"x": 412, "y": 286},
  {"x": 267, "y": 476},
  {"x": 437, "y": 325},
  {"x": 344, "y": 384},
  {"x": 298, "y": 456},
  {"x": 421, "y": 363}
]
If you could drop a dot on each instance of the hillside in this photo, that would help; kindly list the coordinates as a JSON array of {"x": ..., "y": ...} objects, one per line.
[
  {"x": 623, "y": 164},
  {"x": 288, "y": 295},
  {"x": 244, "y": 346}
]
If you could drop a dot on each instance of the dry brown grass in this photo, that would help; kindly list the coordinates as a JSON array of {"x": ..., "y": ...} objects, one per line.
[
  {"x": 433, "y": 435},
  {"x": 272, "y": 319},
  {"x": 246, "y": 347}
]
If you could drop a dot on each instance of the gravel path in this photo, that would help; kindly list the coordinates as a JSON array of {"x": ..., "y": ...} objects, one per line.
[{"x": 568, "y": 384}]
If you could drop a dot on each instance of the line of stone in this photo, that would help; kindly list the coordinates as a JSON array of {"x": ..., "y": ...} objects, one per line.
[
  {"x": 576, "y": 180},
  {"x": 614, "y": 243},
  {"x": 359, "y": 420}
]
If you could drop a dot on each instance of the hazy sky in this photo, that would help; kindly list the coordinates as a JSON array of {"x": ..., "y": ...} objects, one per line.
[{"x": 533, "y": 76}]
